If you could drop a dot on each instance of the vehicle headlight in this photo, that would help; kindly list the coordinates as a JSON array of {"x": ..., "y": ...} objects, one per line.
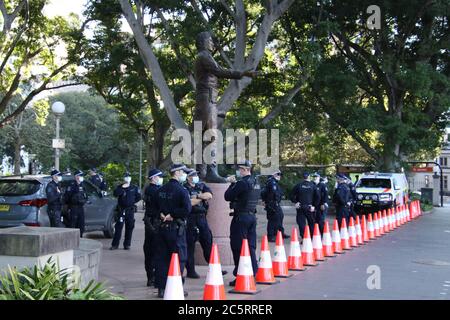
[
  {"x": 385, "y": 197},
  {"x": 367, "y": 197},
  {"x": 375, "y": 197},
  {"x": 360, "y": 197}
]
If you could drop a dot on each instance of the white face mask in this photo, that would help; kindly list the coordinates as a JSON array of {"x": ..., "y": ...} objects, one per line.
[
  {"x": 81, "y": 179},
  {"x": 59, "y": 178},
  {"x": 238, "y": 173},
  {"x": 159, "y": 181},
  {"x": 127, "y": 179},
  {"x": 195, "y": 179},
  {"x": 325, "y": 181},
  {"x": 183, "y": 178},
  {"x": 317, "y": 180}
]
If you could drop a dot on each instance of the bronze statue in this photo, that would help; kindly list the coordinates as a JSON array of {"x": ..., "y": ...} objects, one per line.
[{"x": 207, "y": 72}]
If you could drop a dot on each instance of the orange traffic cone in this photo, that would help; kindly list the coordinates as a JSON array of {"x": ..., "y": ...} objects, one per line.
[
  {"x": 307, "y": 249},
  {"x": 419, "y": 209},
  {"x": 336, "y": 238},
  {"x": 397, "y": 217},
  {"x": 317, "y": 244},
  {"x": 381, "y": 223},
  {"x": 344, "y": 236},
  {"x": 326, "y": 241},
  {"x": 385, "y": 222},
  {"x": 359, "y": 235},
  {"x": 392, "y": 219},
  {"x": 280, "y": 267},
  {"x": 245, "y": 282},
  {"x": 214, "y": 288},
  {"x": 408, "y": 215},
  {"x": 370, "y": 228},
  {"x": 352, "y": 233},
  {"x": 295, "y": 260},
  {"x": 376, "y": 226},
  {"x": 365, "y": 234},
  {"x": 265, "y": 272},
  {"x": 174, "y": 285}
]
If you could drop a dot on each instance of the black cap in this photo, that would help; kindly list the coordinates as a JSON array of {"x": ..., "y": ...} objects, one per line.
[
  {"x": 93, "y": 169},
  {"x": 315, "y": 174},
  {"x": 246, "y": 164},
  {"x": 176, "y": 167},
  {"x": 192, "y": 172},
  {"x": 55, "y": 173},
  {"x": 340, "y": 176},
  {"x": 126, "y": 174},
  {"x": 305, "y": 174},
  {"x": 155, "y": 172},
  {"x": 78, "y": 173}
]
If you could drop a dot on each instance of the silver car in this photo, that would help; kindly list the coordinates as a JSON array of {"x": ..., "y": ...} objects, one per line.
[{"x": 23, "y": 201}]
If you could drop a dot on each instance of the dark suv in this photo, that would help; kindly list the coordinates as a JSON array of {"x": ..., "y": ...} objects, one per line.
[{"x": 23, "y": 202}]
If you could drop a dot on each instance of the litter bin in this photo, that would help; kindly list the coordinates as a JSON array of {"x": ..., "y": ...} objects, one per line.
[{"x": 426, "y": 195}]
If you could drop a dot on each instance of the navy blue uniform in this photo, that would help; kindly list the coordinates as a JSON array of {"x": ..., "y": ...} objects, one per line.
[
  {"x": 322, "y": 213},
  {"x": 151, "y": 221},
  {"x": 308, "y": 195},
  {"x": 174, "y": 200},
  {"x": 272, "y": 196},
  {"x": 127, "y": 197},
  {"x": 353, "y": 198},
  {"x": 244, "y": 196},
  {"x": 76, "y": 198},
  {"x": 98, "y": 182},
  {"x": 54, "y": 204},
  {"x": 341, "y": 199},
  {"x": 197, "y": 226}
]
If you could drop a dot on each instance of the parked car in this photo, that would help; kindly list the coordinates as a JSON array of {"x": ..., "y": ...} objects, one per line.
[
  {"x": 23, "y": 201},
  {"x": 378, "y": 191}
]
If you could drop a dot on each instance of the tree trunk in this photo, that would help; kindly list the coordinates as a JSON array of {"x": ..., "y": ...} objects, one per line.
[{"x": 17, "y": 144}]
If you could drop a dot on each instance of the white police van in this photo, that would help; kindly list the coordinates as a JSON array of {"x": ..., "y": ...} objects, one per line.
[{"x": 377, "y": 191}]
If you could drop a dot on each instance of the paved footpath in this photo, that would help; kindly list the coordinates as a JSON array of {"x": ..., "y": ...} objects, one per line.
[{"x": 413, "y": 260}]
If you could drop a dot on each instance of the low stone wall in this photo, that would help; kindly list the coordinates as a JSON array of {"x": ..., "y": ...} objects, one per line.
[{"x": 87, "y": 257}]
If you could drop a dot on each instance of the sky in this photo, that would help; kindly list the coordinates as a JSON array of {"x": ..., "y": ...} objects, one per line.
[{"x": 64, "y": 7}]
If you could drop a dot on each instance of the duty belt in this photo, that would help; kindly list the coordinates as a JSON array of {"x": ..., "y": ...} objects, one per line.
[{"x": 246, "y": 212}]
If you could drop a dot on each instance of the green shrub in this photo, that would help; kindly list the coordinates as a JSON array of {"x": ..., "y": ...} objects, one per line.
[{"x": 48, "y": 283}]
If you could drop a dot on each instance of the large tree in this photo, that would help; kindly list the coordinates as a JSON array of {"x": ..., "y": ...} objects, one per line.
[{"x": 387, "y": 88}]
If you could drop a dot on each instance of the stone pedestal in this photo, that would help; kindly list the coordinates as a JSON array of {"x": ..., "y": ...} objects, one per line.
[
  {"x": 29, "y": 246},
  {"x": 219, "y": 221},
  {"x": 436, "y": 190}
]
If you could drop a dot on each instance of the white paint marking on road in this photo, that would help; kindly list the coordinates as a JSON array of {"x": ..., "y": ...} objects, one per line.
[
  {"x": 447, "y": 281},
  {"x": 357, "y": 269},
  {"x": 446, "y": 285},
  {"x": 448, "y": 231},
  {"x": 443, "y": 293},
  {"x": 414, "y": 271}
]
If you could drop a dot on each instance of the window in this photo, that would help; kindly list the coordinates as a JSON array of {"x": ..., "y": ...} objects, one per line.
[
  {"x": 9, "y": 187},
  {"x": 445, "y": 182},
  {"x": 445, "y": 161},
  {"x": 374, "y": 183}
]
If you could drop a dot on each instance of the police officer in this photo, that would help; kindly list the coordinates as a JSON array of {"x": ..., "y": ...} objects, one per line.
[
  {"x": 127, "y": 196},
  {"x": 272, "y": 195},
  {"x": 243, "y": 195},
  {"x": 54, "y": 200},
  {"x": 97, "y": 180},
  {"x": 306, "y": 197},
  {"x": 174, "y": 208},
  {"x": 341, "y": 199},
  {"x": 76, "y": 198},
  {"x": 353, "y": 196},
  {"x": 321, "y": 183},
  {"x": 151, "y": 221}
]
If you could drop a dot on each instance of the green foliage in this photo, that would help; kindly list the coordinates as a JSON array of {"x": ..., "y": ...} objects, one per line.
[{"x": 48, "y": 283}]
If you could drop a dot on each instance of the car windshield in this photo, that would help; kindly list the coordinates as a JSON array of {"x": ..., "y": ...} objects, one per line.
[
  {"x": 374, "y": 183},
  {"x": 18, "y": 187}
]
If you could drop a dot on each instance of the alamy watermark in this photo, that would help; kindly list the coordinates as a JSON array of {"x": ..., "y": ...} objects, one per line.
[
  {"x": 212, "y": 147},
  {"x": 374, "y": 280},
  {"x": 374, "y": 20}
]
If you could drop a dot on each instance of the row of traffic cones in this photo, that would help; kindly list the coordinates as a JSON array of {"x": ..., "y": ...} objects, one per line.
[{"x": 319, "y": 248}]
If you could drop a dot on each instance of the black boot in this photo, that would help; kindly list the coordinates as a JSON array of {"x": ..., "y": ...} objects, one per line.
[
  {"x": 193, "y": 275},
  {"x": 212, "y": 175},
  {"x": 160, "y": 293}
]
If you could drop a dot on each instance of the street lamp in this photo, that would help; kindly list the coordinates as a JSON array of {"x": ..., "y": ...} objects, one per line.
[{"x": 58, "y": 109}]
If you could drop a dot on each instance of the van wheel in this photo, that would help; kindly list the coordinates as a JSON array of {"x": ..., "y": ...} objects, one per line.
[{"x": 108, "y": 232}]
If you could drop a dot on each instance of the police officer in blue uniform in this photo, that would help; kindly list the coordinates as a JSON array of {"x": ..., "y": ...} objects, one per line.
[
  {"x": 353, "y": 196},
  {"x": 174, "y": 208},
  {"x": 76, "y": 197},
  {"x": 342, "y": 200},
  {"x": 127, "y": 196},
  {"x": 306, "y": 197},
  {"x": 243, "y": 195},
  {"x": 97, "y": 180},
  {"x": 197, "y": 225},
  {"x": 54, "y": 205},
  {"x": 272, "y": 195},
  {"x": 151, "y": 221},
  {"x": 321, "y": 183}
]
